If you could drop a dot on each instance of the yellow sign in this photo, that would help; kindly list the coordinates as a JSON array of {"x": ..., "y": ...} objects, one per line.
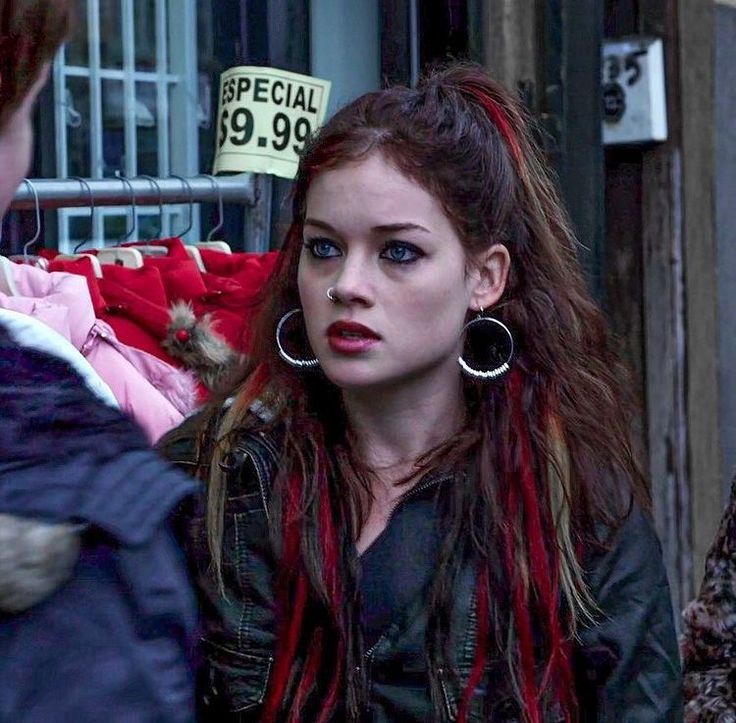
[{"x": 265, "y": 117}]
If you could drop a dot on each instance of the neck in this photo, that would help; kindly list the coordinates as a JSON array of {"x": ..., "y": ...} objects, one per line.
[{"x": 393, "y": 428}]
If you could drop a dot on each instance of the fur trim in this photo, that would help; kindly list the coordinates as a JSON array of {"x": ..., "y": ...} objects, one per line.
[
  {"x": 709, "y": 640},
  {"x": 199, "y": 347},
  {"x": 36, "y": 558}
]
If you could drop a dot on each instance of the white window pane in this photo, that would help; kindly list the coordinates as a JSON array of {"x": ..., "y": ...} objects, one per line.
[
  {"x": 77, "y": 46},
  {"x": 111, "y": 37},
  {"x": 145, "y": 34},
  {"x": 113, "y": 127},
  {"x": 116, "y": 227},
  {"x": 78, "y": 126},
  {"x": 149, "y": 226},
  {"x": 146, "y": 125},
  {"x": 80, "y": 230}
]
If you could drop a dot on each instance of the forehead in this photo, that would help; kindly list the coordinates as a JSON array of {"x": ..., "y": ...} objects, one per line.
[{"x": 373, "y": 188}]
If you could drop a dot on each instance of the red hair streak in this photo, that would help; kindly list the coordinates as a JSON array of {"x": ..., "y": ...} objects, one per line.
[
  {"x": 498, "y": 116},
  {"x": 481, "y": 652},
  {"x": 541, "y": 592},
  {"x": 292, "y": 597},
  {"x": 291, "y": 600}
]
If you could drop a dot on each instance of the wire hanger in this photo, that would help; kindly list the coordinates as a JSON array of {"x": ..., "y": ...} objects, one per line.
[
  {"x": 220, "y": 208},
  {"x": 131, "y": 231},
  {"x": 86, "y": 186},
  {"x": 76, "y": 254},
  {"x": 155, "y": 184},
  {"x": 190, "y": 192},
  {"x": 129, "y": 257},
  {"x": 26, "y": 259}
]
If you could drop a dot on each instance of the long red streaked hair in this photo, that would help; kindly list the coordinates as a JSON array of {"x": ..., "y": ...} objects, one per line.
[{"x": 549, "y": 443}]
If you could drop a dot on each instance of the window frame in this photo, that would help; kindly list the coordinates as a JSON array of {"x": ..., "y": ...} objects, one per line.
[{"x": 176, "y": 82}]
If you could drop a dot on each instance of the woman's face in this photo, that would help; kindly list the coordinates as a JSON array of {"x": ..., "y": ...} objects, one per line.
[
  {"x": 397, "y": 268},
  {"x": 16, "y": 143}
]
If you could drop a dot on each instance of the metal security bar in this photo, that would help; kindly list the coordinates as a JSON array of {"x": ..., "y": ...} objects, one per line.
[{"x": 67, "y": 193}]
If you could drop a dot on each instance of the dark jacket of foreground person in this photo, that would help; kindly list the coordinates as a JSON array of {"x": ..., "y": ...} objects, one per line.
[{"x": 97, "y": 614}]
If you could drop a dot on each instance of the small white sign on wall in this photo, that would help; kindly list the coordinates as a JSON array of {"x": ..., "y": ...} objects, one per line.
[{"x": 634, "y": 93}]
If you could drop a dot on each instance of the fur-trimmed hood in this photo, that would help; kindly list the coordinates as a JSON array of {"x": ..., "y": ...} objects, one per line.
[{"x": 67, "y": 463}]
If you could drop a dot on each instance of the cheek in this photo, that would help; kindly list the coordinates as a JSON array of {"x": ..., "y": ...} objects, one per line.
[
  {"x": 305, "y": 285},
  {"x": 308, "y": 298}
]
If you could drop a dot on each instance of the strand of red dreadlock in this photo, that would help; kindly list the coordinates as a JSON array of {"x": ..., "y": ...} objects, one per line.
[
  {"x": 498, "y": 117},
  {"x": 520, "y": 602},
  {"x": 330, "y": 562},
  {"x": 291, "y": 599},
  {"x": 543, "y": 562},
  {"x": 481, "y": 650},
  {"x": 291, "y": 625},
  {"x": 309, "y": 675}
]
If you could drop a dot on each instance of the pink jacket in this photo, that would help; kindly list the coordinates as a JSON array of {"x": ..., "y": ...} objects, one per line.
[{"x": 155, "y": 394}]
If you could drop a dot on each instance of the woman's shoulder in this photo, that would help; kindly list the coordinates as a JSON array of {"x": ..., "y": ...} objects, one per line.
[{"x": 192, "y": 443}]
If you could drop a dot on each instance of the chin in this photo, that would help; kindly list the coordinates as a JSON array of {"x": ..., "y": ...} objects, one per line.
[{"x": 354, "y": 375}]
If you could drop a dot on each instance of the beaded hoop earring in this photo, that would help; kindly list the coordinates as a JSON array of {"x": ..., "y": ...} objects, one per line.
[
  {"x": 503, "y": 339},
  {"x": 293, "y": 361}
]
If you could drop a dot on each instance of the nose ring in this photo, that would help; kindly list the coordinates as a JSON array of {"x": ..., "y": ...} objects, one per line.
[{"x": 332, "y": 295}]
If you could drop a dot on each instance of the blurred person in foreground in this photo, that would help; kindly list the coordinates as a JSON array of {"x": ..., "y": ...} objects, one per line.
[
  {"x": 97, "y": 615},
  {"x": 422, "y": 500}
]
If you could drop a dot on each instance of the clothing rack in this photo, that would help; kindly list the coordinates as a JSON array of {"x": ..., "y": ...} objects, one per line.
[{"x": 139, "y": 191}]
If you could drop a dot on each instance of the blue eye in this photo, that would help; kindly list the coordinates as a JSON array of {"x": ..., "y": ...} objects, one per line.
[
  {"x": 322, "y": 248},
  {"x": 401, "y": 252}
]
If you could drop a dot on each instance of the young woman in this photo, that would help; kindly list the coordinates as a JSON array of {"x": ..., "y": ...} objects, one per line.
[{"x": 422, "y": 503}]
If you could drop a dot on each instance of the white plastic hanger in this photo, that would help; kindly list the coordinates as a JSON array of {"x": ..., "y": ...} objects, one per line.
[
  {"x": 129, "y": 257},
  {"x": 193, "y": 252},
  {"x": 96, "y": 266},
  {"x": 221, "y": 246},
  {"x": 151, "y": 250}
]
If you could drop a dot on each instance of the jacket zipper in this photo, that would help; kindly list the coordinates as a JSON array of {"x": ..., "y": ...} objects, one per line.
[{"x": 411, "y": 493}]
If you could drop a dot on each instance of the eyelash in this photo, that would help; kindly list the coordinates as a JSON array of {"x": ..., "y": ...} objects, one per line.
[{"x": 311, "y": 245}]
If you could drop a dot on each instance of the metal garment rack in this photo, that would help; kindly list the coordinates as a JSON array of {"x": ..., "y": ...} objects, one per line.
[{"x": 69, "y": 192}]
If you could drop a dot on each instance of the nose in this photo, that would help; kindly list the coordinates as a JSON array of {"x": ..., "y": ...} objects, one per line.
[{"x": 353, "y": 284}]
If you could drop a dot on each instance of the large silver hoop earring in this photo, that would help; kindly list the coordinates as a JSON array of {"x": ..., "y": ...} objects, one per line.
[
  {"x": 500, "y": 347},
  {"x": 293, "y": 361}
]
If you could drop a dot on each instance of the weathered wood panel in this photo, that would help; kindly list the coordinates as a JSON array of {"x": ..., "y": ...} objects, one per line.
[
  {"x": 680, "y": 295},
  {"x": 696, "y": 30}
]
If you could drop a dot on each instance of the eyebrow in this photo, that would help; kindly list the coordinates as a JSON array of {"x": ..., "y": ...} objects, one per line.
[{"x": 383, "y": 228}]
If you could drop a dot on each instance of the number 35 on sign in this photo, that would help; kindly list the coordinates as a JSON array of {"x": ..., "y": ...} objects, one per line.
[{"x": 265, "y": 117}]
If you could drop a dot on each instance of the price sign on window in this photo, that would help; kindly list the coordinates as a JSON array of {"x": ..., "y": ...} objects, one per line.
[{"x": 265, "y": 117}]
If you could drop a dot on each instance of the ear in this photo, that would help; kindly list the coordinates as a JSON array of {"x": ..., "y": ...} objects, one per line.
[{"x": 490, "y": 273}]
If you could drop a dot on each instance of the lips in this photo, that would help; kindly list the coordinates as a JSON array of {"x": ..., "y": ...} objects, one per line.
[{"x": 349, "y": 337}]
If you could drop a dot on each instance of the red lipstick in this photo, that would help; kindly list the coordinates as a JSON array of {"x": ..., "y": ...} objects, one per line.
[{"x": 351, "y": 338}]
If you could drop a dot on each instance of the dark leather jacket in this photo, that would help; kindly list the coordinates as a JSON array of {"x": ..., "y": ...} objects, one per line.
[{"x": 627, "y": 667}]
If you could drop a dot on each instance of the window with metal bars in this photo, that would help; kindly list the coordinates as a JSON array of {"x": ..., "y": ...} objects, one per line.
[{"x": 127, "y": 101}]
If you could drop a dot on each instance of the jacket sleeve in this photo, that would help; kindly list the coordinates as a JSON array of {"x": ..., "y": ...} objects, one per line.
[
  {"x": 635, "y": 633},
  {"x": 709, "y": 639}
]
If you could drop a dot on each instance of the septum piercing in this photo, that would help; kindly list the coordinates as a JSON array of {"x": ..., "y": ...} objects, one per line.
[{"x": 332, "y": 295}]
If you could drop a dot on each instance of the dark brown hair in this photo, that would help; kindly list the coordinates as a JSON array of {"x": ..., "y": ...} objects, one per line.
[
  {"x": 552, "y": 461},
  {"x": 31, "y": 32}
]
